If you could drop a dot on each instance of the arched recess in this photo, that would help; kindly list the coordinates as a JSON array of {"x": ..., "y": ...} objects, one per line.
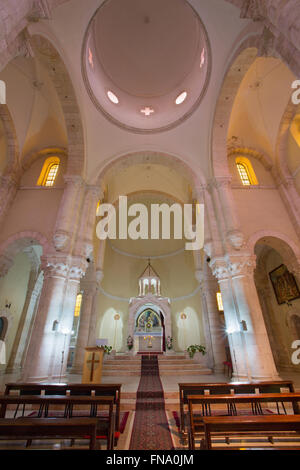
[
  {"x": 21, "y": 240},
  {"x": 277, "y": 258},
  {"x": 51, "y": 59},
  {"x": 21, "y": 281},
  {"x": 12, "y": 146}
]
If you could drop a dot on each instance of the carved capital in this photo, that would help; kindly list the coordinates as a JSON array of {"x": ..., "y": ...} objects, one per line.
[
  {"x": 54, "y": 267},
  {"x": 233, "y": 266}
]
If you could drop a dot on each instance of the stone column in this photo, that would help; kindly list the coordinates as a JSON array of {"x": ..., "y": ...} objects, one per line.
[
  {"x": 33, "y": 292},
  {"x": 68, "y": 213},
  {"x": 88, "y": 298},
  {"x": 209, "y": 289},
  {"x": 248, "y": 340},
  {"x": 233, "y": 234},
  {"x": 56, "y": 307},
  {"x": 93, "y": 318},
  {"x": 86, "y": 231},
  {"x": 61, "y": 350}
]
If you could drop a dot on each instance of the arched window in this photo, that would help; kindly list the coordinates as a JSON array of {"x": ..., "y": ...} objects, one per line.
[
  {"x": 246, "y": 171},
  {"x": 49, "y": 172},
  {"x": 78, "y": 305},
  {"x": 220, "y": 302}
]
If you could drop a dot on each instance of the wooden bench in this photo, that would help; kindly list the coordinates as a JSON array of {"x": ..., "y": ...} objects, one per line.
[
  {"x": 186, "y": 389},
  {"x": 105, "y": 427},
  {"x": 250, "y": 424},
  {"x": 74, "y": 389},
  {"x": 30, "y": 428},
  {"x": 255, "y": 400}
]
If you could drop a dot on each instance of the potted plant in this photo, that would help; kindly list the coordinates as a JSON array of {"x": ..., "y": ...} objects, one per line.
[
  {"x": 196, "y": 348},
  {"x": 129, "y": 342}
]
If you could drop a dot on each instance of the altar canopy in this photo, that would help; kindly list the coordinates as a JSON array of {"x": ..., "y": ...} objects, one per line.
[{"x": 149, "y": 315}]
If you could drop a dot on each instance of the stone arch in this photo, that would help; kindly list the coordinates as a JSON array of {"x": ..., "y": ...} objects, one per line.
[
  {"x": 29, "y": 159},
  {"x": 240, "y": 63},
  {"x": 280, "y": 242},
  {"x": 12, "y": 165},
  {"x": 148, "y": 156},
  {"x": 22, "y": 241},
  {"x": 252, "y": 153},
  {"x": 52, "y": 60}
]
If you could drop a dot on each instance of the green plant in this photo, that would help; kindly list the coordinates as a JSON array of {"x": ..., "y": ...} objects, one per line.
[
  {"x": 107, "y": 349},
  {"x": 196, "y": 348}
]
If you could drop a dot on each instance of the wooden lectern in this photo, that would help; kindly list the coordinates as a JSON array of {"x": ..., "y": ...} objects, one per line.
[{"x": 92, "y": 367}]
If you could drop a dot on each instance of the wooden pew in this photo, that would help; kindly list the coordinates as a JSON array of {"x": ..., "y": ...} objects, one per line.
[
  {"x": 30, "y": 428},
  {"x": 247, "y": 424},
  {"x": 186, "y": 389},
  {"x": 74, "y": 389},
  {"x": 105, "y": 428},
  {"x": 255, "y": 400}
]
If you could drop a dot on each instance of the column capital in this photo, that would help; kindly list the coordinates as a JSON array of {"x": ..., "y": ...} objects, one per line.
[
  {"x": 232, "y": 266},
  {"x": 63, "y": 266}
]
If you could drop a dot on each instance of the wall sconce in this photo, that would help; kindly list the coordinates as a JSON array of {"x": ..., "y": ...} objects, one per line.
[
  {"x": 244, "y": 325},
  {"x": 55, "y": 325}
]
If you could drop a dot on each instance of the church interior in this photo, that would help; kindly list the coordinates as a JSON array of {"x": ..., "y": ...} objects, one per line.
[{"x": 145, "y": 344}]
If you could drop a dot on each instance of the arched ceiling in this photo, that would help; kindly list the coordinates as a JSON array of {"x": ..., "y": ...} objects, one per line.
[
  {"x": 260, "y": 104},
  {"x": 34, "y": 106}
]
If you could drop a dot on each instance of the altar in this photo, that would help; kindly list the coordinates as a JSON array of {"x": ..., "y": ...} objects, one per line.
[{"x": 149, "y": 316}]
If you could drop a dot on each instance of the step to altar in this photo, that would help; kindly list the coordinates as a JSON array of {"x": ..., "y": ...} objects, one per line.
[{"x": 168, "y": 365}]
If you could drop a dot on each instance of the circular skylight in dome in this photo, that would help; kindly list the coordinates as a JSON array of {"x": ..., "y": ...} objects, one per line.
[
  {"x": 112, "y": 97},
  {"x": 144, "y": 56},
  {"x": 181, "y": 98}
]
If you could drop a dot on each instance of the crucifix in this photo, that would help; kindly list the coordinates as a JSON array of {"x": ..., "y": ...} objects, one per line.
[
  {"x": 92, "y": 367},
  {"x": 92, "y": 361}
]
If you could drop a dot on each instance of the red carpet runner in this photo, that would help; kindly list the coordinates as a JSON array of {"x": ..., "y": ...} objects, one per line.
[{"x": 150, "y": 428}]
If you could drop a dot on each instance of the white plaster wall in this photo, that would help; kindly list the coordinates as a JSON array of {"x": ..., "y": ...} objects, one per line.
[{"x": 262, "y": 209}]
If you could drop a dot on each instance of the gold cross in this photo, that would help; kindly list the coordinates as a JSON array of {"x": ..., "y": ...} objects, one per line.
[{"x": 92, "y": 362}]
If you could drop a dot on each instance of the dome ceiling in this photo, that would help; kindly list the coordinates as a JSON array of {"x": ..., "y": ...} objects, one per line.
[{"x": 146, "y": 63}]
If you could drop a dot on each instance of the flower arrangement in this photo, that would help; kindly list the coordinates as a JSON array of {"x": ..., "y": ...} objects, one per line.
[
  {"x": 169, "y": 342},
  {"x": 129, "y": 342},
  {"x": 196, "y": 348},
  {"x": 107, "y": 349}
]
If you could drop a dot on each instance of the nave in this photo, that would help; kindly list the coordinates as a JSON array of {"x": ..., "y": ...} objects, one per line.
[{"x": 150, "y": 410}]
